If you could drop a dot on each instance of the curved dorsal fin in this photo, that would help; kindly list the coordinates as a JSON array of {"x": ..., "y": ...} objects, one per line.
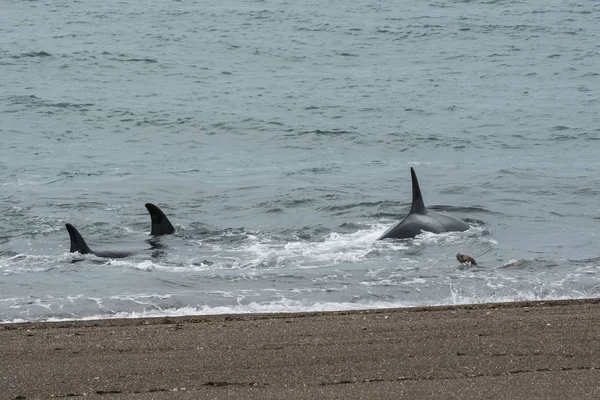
[
  {"x": 160, "y": 223},
  {"x": 77, "y": 242},
  {"x": 417, "y": 201}
]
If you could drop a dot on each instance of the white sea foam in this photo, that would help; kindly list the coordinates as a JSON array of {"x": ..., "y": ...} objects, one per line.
[
  {"x": 26, "y": 263},
  {"x": 474, "y": 232},
  {"x": 141, "y": 298},
  {"x": 145, "y": 265},
  {"x": 151, "y": 265},
  {"x": 332, "y": 249},
  {"x": 294, "y": 306}
]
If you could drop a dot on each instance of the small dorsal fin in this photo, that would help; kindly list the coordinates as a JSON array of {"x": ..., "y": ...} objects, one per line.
[
  {"x": 160, "y": 223},
  {"x": 418, "y": 206},
  {"x": 77, "y": 242}
]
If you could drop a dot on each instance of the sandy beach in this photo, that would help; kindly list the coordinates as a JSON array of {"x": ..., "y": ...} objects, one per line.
[{"x": 545, "y": 350}]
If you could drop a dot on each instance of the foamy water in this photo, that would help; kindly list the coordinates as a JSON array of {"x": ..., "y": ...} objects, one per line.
[{"x": 278, "y": 139}]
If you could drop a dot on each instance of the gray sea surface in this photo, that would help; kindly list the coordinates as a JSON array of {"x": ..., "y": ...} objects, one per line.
[{"x": 278, "y": 138}]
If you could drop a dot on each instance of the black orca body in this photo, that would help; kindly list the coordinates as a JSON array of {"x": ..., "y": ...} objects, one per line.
[
  {"x": 160, "y": 223},
  {"x": 160, "y": 226},
  {"x": 420, "y": 219},
  {"x": 78, "y": 245}
]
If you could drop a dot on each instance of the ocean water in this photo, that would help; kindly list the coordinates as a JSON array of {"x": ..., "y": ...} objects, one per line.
[{"x": 278, "y": 137}]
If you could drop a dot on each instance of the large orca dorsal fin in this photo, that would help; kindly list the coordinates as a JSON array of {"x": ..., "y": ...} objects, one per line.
[
  {"x": 77, "y": 242},
  {"x": 160, "y": 223},
  {"x": 418, "y": 206}
]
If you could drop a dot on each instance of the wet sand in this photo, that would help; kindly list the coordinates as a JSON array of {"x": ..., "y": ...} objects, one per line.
[{"x": 545, "y": 350}]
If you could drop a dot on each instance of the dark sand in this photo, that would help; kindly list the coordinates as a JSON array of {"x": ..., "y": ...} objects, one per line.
[{"x": 548, "y": 350}]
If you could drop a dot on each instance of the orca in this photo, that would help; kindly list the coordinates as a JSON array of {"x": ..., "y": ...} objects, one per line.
[
  {"x": 78, "y": 245},
  {"x": 160, "y": 223},
  {"x": 421, "y": 219}
]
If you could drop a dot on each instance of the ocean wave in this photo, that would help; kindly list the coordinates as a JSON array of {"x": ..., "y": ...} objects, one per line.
[{"x": 34, "y": 103}]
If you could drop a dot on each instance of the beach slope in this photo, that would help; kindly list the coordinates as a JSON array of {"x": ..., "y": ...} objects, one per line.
[{"x": 548, "y": 350}]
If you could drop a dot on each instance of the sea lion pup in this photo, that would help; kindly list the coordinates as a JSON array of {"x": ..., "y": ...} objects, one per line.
[{"x": 465, "y": 259}]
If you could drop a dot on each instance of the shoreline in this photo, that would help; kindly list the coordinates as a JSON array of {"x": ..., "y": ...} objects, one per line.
[
  {"x": 199, "y": 318},
  {"x": 540, "y": 349}
]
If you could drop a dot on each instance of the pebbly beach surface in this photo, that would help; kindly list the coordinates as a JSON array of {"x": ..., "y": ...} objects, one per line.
[{"x": 548, "y": 349}]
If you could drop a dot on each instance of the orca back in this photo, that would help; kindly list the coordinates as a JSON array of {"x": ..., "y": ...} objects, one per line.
[
  {"x": 420, "y": 219},
  {"x": 78, "y": 245},
  {"x": 160, "y": 223}
]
